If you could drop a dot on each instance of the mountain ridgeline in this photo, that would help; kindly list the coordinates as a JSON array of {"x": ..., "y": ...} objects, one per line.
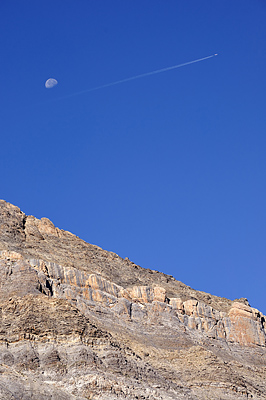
[{"x": 78, "y": 322}]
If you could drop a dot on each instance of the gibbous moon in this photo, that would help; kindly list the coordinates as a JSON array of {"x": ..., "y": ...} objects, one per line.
[{"x": 50, "y": 83}]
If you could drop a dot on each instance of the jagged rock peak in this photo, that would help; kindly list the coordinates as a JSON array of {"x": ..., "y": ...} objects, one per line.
[{"x": 40, "y": 239}]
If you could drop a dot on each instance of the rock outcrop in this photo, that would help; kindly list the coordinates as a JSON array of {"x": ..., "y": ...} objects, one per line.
[{"x": 78, "y": 322}]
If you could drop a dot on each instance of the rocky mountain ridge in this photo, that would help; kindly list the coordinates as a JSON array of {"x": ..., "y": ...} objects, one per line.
[{"x": 83, "y": 323}]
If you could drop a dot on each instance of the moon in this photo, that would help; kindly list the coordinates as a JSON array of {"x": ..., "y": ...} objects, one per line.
[{"x": 50, "y": 83}]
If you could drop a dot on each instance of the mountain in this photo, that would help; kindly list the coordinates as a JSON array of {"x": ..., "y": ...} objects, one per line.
[{"x": 78, "y": 322}]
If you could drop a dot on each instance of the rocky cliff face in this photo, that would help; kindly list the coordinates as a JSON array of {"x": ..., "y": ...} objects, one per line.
[{"x": 78, "y": 322}]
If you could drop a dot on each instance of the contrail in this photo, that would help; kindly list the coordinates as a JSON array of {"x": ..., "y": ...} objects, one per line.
[{"x": 158, "y": 71}]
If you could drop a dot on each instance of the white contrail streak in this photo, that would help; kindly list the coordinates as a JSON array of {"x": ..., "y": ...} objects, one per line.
[{"x": 158, "y": 71}]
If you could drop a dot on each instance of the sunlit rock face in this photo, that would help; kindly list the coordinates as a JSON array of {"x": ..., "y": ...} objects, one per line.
[
  {"x": 246, "y": 325},
  {"x": 78, "y": 322}
]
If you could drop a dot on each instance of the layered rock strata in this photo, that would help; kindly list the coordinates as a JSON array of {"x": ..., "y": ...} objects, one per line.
[{"x": 78, "y": 322}]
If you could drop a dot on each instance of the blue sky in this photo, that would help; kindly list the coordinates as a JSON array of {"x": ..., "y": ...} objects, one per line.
[{"x": 168, "y": 170}]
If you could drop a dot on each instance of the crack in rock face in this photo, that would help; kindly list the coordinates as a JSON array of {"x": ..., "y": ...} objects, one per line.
[{"x": 78, "y": 322}]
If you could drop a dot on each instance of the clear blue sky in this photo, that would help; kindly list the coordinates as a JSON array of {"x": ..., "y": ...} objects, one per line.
[{"x": 168, "y": 170}]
